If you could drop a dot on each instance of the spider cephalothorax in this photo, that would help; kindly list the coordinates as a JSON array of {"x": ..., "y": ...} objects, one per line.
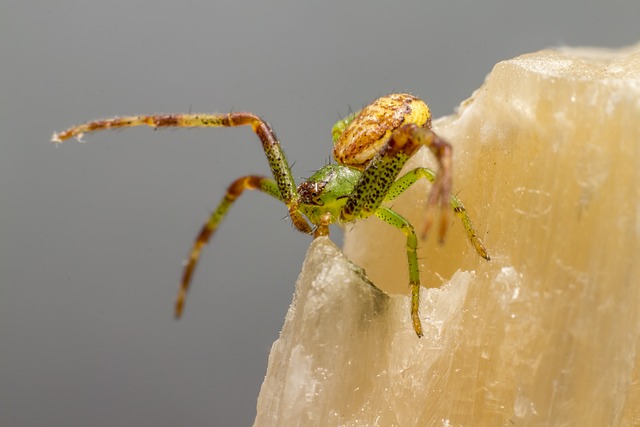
[{"x": 371, "y": 147}]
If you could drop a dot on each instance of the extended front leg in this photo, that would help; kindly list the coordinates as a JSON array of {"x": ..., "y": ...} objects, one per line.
[
  {"x": 393, "y": 218},
  {"x": 270, "y": 144},
  {"x": 249, "y": 182}
]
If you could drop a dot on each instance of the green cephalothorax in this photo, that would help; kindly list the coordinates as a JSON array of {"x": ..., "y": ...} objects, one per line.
[
  {"x": 371, "y": 146},
  {"x": 326, "y": 192}
]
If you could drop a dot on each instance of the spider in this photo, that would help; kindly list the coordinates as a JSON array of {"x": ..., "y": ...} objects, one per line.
[{"x": 371, "y": 146}]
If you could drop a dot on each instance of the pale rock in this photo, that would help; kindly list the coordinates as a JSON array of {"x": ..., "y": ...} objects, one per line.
[{"x": 547, "y": 162}]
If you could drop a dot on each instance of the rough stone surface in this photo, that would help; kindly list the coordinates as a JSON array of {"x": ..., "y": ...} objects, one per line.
[{"x": 547, "y": 161}]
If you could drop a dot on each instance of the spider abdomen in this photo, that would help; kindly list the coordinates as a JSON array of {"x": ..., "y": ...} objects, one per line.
[{"x": 370, "y": 130}]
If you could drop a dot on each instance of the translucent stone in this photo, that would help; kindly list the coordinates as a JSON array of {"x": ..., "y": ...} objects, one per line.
[{"x": 547, "y": 162}]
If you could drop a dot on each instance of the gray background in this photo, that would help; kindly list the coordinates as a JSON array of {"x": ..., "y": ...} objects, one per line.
[{"x": 92, "y": 235}]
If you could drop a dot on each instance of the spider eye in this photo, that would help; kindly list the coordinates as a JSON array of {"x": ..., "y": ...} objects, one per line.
[{"x": 311, "y": 191}]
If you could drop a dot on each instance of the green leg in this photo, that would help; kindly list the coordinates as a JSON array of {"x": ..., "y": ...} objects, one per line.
[
  {"x": 249, "y": 182},
  {"x": 391, "y": 217},
  {"x": 381, "y": 173},
  {"x": 270, "y": 144},
  {"x": 407, "y": 180}
]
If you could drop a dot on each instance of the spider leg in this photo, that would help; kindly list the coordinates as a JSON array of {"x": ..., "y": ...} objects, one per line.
[
  {"x": 275, "y": 155},
  {"x": 407, "y": 180},
  {"x": 380, "y": 175},
  {"x": 322, "y": 229},
  {"x": 391, "y": 217},
  {"x": 249, "y": 182}
]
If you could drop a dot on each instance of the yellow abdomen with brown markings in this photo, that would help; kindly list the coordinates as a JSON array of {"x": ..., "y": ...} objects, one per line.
[{"x": 371, "y": 129}]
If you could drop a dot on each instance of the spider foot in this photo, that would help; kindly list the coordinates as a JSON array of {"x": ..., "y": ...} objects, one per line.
[
  {"x": 417, "y": 325},
  {"x": 179, "y": 305}
]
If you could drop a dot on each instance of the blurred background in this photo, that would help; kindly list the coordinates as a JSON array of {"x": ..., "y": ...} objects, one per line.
[{"x": 92, "y": 235}]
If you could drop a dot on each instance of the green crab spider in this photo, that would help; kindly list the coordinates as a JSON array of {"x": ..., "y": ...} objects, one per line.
[{"x": 371, "y": 146}]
